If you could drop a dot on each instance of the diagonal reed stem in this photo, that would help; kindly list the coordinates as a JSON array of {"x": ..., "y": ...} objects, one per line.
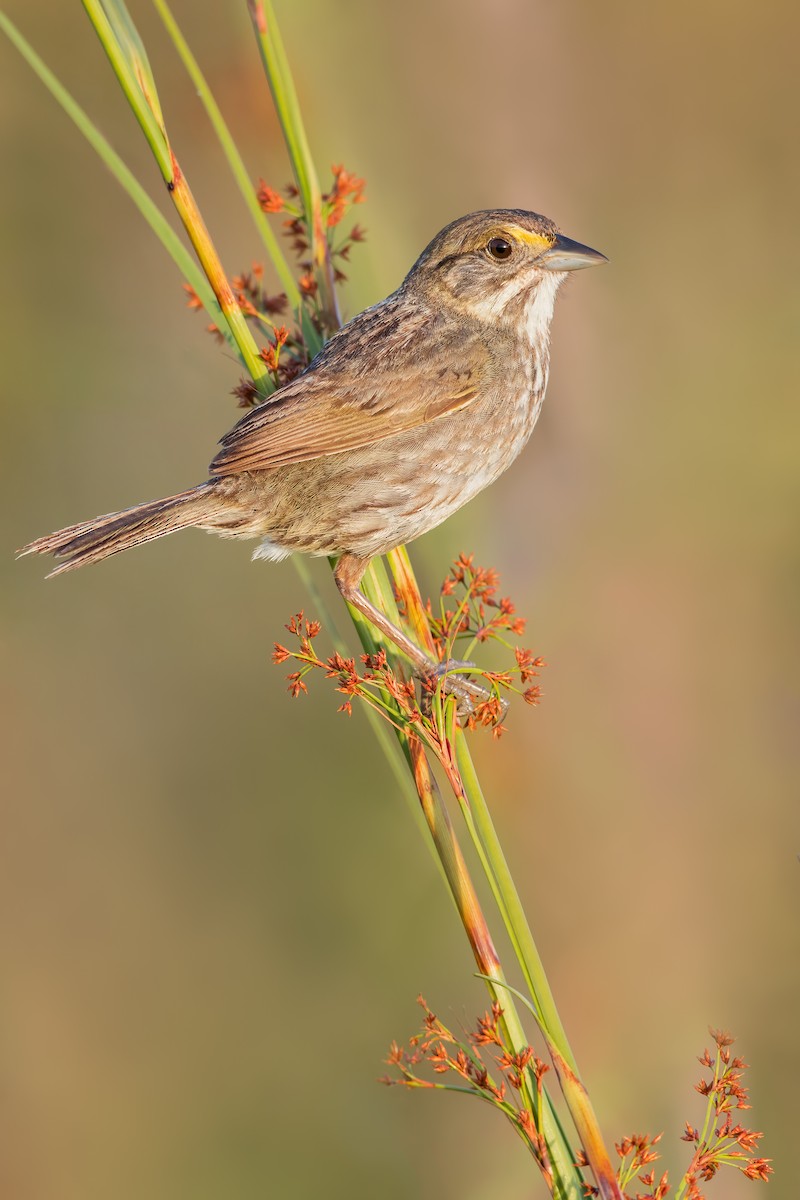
[
  {"x": 377, "y": 585},
  {"x": 231, "y": 151},
  {"x": 129, "y": 64},
  {"x": 469, "y": 794}
]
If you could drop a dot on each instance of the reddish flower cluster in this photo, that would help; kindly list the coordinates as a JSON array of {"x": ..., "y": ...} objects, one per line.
[
  {"x": 270, "y": 200},
  {"x": 347, "y": 189},
  {"x": 286, "y": 354},
  {"x": 478, "y": 615},
  {"x": 481, "y": 613},
  {"x": 376, "y": 682},
  {"x": 291, "y": 350},
  {"x": 721, "y": 1142},
  {"x": 272, "y": 354},
  {"x": 510, "y": 1091},
  {"x": 253, "y": 299},
  {"x": 636, "y": 1152}
]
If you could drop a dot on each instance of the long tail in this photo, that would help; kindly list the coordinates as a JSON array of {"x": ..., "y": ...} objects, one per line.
[{"x": 90, "y": 541}]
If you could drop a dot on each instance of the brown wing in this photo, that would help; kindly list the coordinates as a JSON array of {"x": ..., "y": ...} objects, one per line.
[{"x": 357, "y": 395}]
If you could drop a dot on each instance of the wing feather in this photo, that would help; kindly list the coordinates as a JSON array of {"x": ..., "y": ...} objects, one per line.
[{"x": 339, "y": 405}]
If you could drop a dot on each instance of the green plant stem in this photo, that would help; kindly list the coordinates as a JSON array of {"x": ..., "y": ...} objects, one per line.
[
  {"x": 287, "y": 106},
  {"x": 231, "y": 151},
  {"x": 377, "y": 586},
  {"x": 132, "y": 86},
  {"x": 466, "y": 788},
  {"x": 566, "y": 1183},
  {"x": 484, "y": 835}
]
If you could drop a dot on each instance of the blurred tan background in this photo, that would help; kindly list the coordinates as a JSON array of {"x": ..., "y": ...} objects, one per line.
[{"x": 216, "y": 911}]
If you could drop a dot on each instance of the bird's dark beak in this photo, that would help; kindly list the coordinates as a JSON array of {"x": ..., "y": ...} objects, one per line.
[{"x": 566, "y": 255}]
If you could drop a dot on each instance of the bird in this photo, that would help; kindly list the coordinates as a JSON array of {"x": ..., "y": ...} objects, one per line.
[{"x": 409, "y": 411}]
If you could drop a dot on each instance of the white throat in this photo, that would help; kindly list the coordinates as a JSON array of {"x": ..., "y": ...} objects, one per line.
[
  {"x": 539, "y": 311},
  {"x": 539, "y": 303}
]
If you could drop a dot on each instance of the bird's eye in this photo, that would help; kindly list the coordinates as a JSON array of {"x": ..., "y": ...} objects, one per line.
[{"x": 499, "y": 248}]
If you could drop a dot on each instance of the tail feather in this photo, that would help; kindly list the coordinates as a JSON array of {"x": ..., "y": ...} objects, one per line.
[{"x": 91, "y": 541}]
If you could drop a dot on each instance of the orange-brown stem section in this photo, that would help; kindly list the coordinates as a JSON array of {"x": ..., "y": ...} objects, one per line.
[
  {"x": 452, "y": 860},
  {"x": 324, "y": 271},
  {"x": 575, "y": 1094},
  {"x": 206, "y": 252},
  {"x": 585, "y": 1121},
  {"x": 257, "y": 12},
  {"x": 408, "y": 594},
  {"x": 463, "y": 892},
  {"x": 195, "y": 226}
]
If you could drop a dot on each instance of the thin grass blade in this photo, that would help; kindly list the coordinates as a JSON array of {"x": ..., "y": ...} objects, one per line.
[
  {"x": 578, "y": 1103},
  {"x": 132, "y": 46},
  {"x": 287, "y": 106},
  {"x": 152, "y": 125},
  {"x": 181, "y": 194},
  {"x": 231, "y": 151}
]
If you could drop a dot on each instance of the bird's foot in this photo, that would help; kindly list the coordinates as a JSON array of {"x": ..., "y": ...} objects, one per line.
[{"x": 470, "y": 696}]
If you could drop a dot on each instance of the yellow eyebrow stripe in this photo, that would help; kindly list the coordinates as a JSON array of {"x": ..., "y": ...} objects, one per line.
[{"x": 536, "y": 240}]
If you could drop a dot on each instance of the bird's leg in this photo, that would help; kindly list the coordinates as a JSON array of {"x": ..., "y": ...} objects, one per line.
[{"x": 348, "y": 575}]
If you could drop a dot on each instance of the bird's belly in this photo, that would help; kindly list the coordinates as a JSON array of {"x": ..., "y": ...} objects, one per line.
[
  {"x": 370, "y": 500},
  {"x": 410, "y": 484}
]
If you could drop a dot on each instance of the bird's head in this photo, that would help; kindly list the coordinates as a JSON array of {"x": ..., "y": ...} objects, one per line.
[{"x": 503, "y": 265}]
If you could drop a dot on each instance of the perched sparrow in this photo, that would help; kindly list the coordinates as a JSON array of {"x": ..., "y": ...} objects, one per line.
[{"x": 407, "y": 413}]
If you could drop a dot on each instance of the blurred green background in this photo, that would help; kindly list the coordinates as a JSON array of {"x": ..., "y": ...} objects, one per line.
[{"x": 215, "y": 908}]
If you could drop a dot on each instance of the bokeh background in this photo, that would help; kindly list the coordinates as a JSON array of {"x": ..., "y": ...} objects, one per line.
[{"x": 216, "y": 911}]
